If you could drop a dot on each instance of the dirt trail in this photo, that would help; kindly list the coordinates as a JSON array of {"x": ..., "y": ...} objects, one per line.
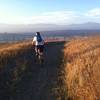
[{"x": 40, "y": 83}]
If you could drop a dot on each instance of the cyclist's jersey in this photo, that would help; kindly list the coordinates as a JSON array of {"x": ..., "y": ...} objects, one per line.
[{"x": 35, "y": 39}]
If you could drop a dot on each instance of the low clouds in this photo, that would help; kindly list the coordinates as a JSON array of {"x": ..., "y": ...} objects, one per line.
[
  {"x": 56, "y": 17},
  {"x": 67, "y": 17},
  {"x": 94, "y": 13}
]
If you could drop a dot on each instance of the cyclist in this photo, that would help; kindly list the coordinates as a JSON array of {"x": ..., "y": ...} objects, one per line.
[{"x": 38, "y": 43}]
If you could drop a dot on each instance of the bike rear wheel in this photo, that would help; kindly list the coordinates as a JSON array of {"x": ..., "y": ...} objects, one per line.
[{"x": 41, "y": 58}]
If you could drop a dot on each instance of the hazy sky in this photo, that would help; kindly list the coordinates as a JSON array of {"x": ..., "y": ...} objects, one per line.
[{"x": 49, "y": 11}]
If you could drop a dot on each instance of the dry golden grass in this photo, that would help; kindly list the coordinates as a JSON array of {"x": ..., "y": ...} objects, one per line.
[
  {"x": 13, "y": 64},
  {"x": 6, "y": 48},
  {"x": 17, "y": 61},
  {"x": 13, "y": 49},
  {"x": 11, "y": 56},
  {"x": 82, "y": 68}
]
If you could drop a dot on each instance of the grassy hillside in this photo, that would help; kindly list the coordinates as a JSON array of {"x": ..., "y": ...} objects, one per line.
[
  {"x": 13, "y": 63},
  {"x": 22, "y": 78},
  {"x": 82, "y": 68},
  {"x": 19, "y": 74}
]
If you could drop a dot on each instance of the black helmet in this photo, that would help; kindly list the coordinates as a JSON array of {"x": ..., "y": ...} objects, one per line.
[{"x": 37, "y": 33}]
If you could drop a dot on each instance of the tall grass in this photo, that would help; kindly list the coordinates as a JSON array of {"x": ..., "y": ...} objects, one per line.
[
  {"x": 13, "y": 63},
  {"x": 82, "y": 68}
]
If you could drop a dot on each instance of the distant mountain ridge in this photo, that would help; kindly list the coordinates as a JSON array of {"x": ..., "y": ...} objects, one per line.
[
  {"x": 88, "y": 25},
  {"x": 47, "y": 27}
]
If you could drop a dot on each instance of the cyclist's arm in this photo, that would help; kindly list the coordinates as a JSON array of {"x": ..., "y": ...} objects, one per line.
[
  {"x": 33, "y": 41},
  {"x": 45, "y": 42}
]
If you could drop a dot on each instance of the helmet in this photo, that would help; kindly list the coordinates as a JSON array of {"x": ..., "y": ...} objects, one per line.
[{"x": 37, "y": 33}]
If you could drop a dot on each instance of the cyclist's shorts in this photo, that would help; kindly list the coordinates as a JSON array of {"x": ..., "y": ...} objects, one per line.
[{"x": 40, "y": 48}]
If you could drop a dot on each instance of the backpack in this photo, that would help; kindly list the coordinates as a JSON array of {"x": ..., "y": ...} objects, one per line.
[{"x": 39, "y": 39}]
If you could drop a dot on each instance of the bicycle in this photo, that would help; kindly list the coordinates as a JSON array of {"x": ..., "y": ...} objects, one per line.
[{"x": 39, "y": 56}]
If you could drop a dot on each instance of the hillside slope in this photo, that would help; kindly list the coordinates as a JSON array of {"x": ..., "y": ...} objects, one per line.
[
  {"x": 23, "y": 79},
  {"x": 82, "y": 68}
]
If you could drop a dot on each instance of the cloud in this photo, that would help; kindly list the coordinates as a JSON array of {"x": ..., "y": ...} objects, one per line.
[
  {"x": 55, "y": 17},
  {"x": 68, "y": 17},
  {"x": 58, "y": 17},
  {"x": 93, "y": 13}
]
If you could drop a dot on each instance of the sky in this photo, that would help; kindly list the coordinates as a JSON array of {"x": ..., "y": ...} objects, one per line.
[{"x": 49, "y": 11}]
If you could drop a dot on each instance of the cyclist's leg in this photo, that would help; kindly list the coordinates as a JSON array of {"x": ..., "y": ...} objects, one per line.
[
  {"x": 41, "y": 49},
  {"x": 36, "y": 50},
  {"x": 36, "y": 54},
  {"x": 41, "y": 53}
]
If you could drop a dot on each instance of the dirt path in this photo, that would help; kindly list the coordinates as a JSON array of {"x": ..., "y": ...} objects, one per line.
[{"x": 41, "y": 83}]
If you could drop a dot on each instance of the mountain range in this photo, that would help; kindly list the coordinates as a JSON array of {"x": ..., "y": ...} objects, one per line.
[{"x": 24, "y": 28}]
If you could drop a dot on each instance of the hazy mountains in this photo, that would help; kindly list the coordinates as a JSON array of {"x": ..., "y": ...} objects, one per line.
[
  {"x": 89, "y": 26},
  {"x": 46, "y": 27}
]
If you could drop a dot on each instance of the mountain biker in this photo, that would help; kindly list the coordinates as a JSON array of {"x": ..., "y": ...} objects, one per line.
[{"x": 38, "y": 43}]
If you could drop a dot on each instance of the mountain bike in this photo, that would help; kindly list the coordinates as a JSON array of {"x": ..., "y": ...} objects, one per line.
[{"x": 39, "y": 56}]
